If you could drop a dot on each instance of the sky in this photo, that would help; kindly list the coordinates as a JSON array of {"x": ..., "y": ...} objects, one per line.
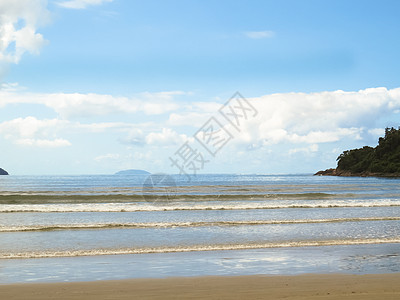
[{"x": 252, "y": 87}]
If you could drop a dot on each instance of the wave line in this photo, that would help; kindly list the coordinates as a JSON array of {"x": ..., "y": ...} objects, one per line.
[
  {"x": 97, "y": 252},
  {"x": 184, "y": 224}
]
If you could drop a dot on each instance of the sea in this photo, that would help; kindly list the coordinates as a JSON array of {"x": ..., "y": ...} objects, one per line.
[{"x": 105, "y": 227}]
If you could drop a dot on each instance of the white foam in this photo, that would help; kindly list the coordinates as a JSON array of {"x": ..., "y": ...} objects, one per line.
[
  {"x": 94, "y": 252},
  {"x": 132, "y": 207},
  {"x": 183, "y": 224}
]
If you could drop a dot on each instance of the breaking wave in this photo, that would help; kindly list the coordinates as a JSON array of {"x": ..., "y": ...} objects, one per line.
[{"x": 215, "y": 247}]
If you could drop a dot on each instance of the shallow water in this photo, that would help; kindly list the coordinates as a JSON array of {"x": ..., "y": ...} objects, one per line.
[{"x": 354, "y": 259}]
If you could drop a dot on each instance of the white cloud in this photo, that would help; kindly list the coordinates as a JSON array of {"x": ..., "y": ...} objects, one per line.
[
  {"x": 30, "y": 127},
  {"x": 80, "y": 105},
  {"x": 30, "y": 131},
  {"x": 159, "y": 103},
  {"x": 166, "y": 137},
  {"x": 376, "y": 132},
  {"x": 81, "y": 4},
  {"x": 83, "y": 105},
  {"x": 193, "y": 114},
  {"x": 319, "y": 117},
  {"x": 135, "y": 137},
  {"x": 9, "y": 87},
  {"x": 19, "y": 21},
  {"x": 292, "y": 118},
  {"x": 188, "y": 119},
  {"x": 107, "y": 126},
  {"x": 208, "y": 107},
  {"x": 260, "y": 34},
  {"x": 324, "y": 136},
  {"x": 308, "y": 150},
  {"x": 43, "y": 143}
]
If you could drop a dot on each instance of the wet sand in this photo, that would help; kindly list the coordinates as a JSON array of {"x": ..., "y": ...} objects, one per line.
[{"x": 313, "y": 286}]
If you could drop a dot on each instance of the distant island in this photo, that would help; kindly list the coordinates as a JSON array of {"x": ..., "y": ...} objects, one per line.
[
  {"x": 381, "y": 161},
  {"x": 3, "y": 172},
  {"x": 132, "y": 172}
]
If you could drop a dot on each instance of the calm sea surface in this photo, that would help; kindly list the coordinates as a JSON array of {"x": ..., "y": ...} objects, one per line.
[{"x": 66, "y": 228}]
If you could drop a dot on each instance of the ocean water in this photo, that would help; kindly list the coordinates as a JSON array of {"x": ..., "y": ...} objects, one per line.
[{"x": 73, "y": 228}]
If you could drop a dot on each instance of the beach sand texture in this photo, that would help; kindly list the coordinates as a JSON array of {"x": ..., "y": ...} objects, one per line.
[{"x": 314, "y": 286}]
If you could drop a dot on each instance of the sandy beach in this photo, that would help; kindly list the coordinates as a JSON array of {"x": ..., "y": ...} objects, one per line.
[{"x": 314, "y": 286}]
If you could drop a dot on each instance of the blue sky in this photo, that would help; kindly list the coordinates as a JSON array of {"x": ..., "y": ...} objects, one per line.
[{"x": 96, "y": 86}]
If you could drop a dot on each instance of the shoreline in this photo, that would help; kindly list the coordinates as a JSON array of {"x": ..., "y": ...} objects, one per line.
[
  {"x": 305, "y": 286},
  {"x": 340, "y": 173}
]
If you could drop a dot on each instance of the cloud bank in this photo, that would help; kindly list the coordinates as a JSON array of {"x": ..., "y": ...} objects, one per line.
[
  {"x": 304, "y": 120},
  {"x": 321, "y": 117}
]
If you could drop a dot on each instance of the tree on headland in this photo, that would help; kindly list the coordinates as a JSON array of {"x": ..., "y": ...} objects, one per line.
[{"x": 382, "y": 160}]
